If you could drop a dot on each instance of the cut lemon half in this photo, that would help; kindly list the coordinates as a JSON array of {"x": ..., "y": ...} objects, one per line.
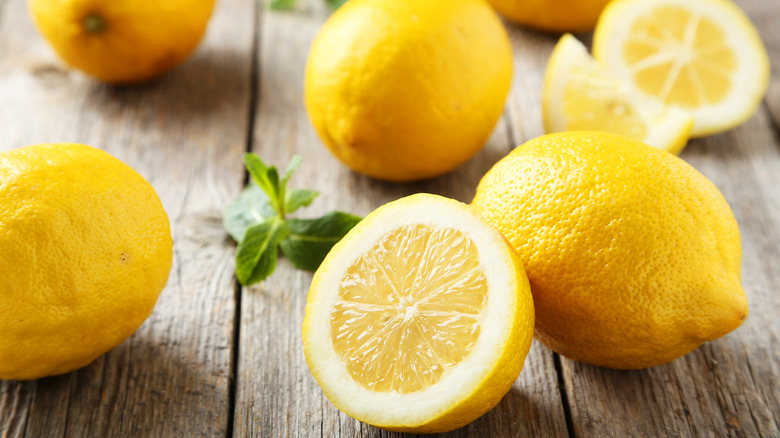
[
  {"x": 420, "y": 318},
  {"x": 704, "y": 56},
  {"x": 580, "y": 95}
]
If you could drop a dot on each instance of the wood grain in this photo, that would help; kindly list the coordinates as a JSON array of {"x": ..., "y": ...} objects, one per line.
[
  {"x": 728, "y": 387},
  {"x": 764, "y": 15},
  {"x": 185, "y": 133},
  {"x": 276, "y": 395},
  {"x": 244, "y": 88}
]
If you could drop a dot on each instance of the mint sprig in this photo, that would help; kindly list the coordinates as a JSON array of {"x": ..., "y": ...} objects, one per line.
[
  {"x": 284, "y": 5},
  {"x": 257, "y": 221},
  {"x": 335, "y": 4}
]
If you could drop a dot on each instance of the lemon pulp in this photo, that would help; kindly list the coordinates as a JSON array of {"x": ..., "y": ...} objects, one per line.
[
  {"x": 581, "y": 95},
  {"x": 594, "y": 100},
  {"x": 409, "y": 308},
  {"x": 680, "y": 56}
]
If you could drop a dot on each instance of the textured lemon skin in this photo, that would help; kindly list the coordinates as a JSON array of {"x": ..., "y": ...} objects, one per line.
[
  {"x": 408, "y": 90},
  {"x": 552, "y": 15},
  {"x": 140, "y": 40},
  {"x": 633, "y": 255},
  {"x": 85, "y": 247},
  {"x": 494, "y": 384}
]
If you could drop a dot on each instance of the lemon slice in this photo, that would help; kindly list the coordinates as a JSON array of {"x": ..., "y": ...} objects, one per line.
[
  {"x": 420, "y": 319},
  {"x": 703, "y": 56},
  {"x": 580, "y": 95}
]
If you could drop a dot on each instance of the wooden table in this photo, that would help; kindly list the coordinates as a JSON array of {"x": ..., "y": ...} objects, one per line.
[{"x": 216, "y": 359}]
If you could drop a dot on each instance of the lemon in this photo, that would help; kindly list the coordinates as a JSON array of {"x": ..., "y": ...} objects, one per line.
[
  {"x": 633, "y": 255},
  {"x": 122, "y": 41},
  {"x": 704, "y": 56},
  {"x": 579, "y": 94},
  {"x": 552, "y": 15},
  {"x": 85, "y": 247},
  {"x": 406, "y": 90},
  {"x": 419, "y": 320}
]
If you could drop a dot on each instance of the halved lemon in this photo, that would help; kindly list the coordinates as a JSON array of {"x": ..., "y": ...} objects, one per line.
[
  {"x": 580, "y": 95},
  {"x": 420, "y": 318},
  {"x": 704, "y": 56}
]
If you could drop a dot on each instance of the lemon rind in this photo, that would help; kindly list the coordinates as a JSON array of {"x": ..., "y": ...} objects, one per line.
[
  {"x": 667, "y": 128},
  {"x": 497, "y": 323},
  {"x": 750, "y": 82}
]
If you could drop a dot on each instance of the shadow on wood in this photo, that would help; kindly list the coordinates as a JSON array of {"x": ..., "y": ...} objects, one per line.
[
  {"x": 194, "y": 90},
  {"x": 81, "y": 403}
]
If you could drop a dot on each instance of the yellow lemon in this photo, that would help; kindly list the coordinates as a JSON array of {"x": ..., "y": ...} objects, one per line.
[
  {"x": 406, "y": 90},
  {"x": 579, "y": 94},
  {"x": 552, "y": 15},
  {"x": 85, "y": 247},
  {"x": 704, "y": 56},
  {"x": 633, "y": 256},
  {"x": 122, "y": 41},
  {"x": 419, "y": 320}
]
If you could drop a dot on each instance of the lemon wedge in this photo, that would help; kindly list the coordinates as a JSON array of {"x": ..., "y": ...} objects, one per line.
[
  {"x": 420, "y": 318},
  {"x": 580, "y": 95},
  {"x": 704, "y": 56}
]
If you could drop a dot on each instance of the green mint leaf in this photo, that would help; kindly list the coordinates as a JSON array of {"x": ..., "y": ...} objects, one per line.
[
  {"x": 335, "y": 4},
  {"x": 295, "y": 199},
  {"x": 257, "y": 253},
  {"x": 256, "y": 220},
  {"x": 282, "y": 5},
  {"x": 259, "y": 173},
  {"x": 291, "y": 168},
  {"x": 309, "y": 240},
  {"x": 250, "y": 208},
  {"x": 266, "y": 177},
  {"x": 295, "y": 162},
  {"x": 277, "y": 200}
]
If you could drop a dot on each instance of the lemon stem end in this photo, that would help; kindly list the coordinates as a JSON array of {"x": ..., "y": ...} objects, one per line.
[{"x": 94, "y": 24}]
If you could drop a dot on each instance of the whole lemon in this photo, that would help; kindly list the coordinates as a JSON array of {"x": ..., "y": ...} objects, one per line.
[
  {"x": 122, "y": 41},
  {"x": 633, "y": 255},
  {"x": 406, "y": 90},
  {"x": 85, "y": 249},
  {"x": 552, "y": 15}
]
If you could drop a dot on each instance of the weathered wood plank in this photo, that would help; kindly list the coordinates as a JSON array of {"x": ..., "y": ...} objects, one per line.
[
  {"x": 745, "y": 164},
  {"x": 765, "y": 15},
  {"x": 728, "y": 387},
  {"x": 276, "y": 395},
  {"x": 524, "y": 105},
  {"x": 185, "y": 133}
]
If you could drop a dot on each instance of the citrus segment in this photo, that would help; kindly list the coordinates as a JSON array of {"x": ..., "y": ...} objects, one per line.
[
  {"x": 420, "y": 318},
  {"x": 664, "y": 72},
  {"x": 409, "y": 314},
  {"x": 579, "y": 94},
  {"x": 703, "y": 56}
]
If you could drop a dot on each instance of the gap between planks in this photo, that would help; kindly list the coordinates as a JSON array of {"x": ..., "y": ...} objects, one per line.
[{"x": 254, "y": 79}]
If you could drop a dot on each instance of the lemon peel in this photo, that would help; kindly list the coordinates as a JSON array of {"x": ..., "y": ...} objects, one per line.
[{"x": 419, "y": 320}]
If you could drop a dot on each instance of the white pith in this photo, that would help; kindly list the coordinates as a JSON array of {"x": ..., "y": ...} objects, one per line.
[
  {"x": 664, "y": 125},
  {"x": 420, "y": 407},
  {"x": 749, "y": 81}
]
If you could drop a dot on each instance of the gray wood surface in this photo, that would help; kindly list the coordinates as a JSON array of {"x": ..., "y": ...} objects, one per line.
[
  {"x": 185, "y": 133},
  {"x": 216, "y": 359}
]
